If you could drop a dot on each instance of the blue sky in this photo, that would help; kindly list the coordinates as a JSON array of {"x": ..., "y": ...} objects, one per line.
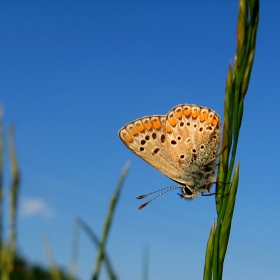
[{"x": 74, "y": 72}]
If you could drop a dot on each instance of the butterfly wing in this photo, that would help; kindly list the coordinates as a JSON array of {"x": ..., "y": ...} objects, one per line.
[
  {"x": 193, "y": 136},
  {"x": 176, "y": 144},
  {"x": 146, "y": 137}
]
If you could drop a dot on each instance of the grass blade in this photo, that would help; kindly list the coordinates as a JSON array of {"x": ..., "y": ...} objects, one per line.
[
  {"x": 14, "y": 188},
  {"x": 108, "y": 223},
  {"x": 236, "y": 87},
  {"x": 209, "y": 255},
  {"x": 94, "y": 238}
]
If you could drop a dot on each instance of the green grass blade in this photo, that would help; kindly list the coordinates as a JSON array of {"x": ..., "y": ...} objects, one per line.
[
  {"x": 145, "y": 263},
  {"x": 226, "y": 225},
  {"x": 1, "y": 184},
  {"x": 74, "y": 251},
  {"x": 236, "y": 87},
  {"x": 54, "y": 272},
  {"x": 14, "y": 188},
  {"x": 226, "y": 141},
  {"x": 108, "y": 223},
  {"x": 94, "y": 238},
  {"x": 208, "y": 266}
]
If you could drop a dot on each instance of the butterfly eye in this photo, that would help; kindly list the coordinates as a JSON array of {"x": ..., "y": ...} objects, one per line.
[{"x": 187, "y": 191}]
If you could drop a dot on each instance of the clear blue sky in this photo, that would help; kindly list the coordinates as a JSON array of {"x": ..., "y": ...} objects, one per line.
[{"x": 74, "y": 72}]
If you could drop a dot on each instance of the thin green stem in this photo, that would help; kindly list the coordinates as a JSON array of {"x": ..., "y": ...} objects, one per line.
[
  {"x": 1, "y": 185},
  {"x": 14, "y": 188},
  {"x": 93, "y": 237},
  {"x": 236, "y": 87},
  {"x": 108, "y": 222}
]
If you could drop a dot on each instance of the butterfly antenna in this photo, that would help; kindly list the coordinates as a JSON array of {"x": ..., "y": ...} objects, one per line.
[
  {"x": 166, "y": 190},
  {"x": 147, "y": 194}
]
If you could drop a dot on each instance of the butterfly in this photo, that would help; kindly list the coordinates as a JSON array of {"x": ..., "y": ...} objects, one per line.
[{"x": 183, "y": 145}]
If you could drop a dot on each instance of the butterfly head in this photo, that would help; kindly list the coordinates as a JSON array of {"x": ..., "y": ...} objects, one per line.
[{"x": 189, "y": 192}]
